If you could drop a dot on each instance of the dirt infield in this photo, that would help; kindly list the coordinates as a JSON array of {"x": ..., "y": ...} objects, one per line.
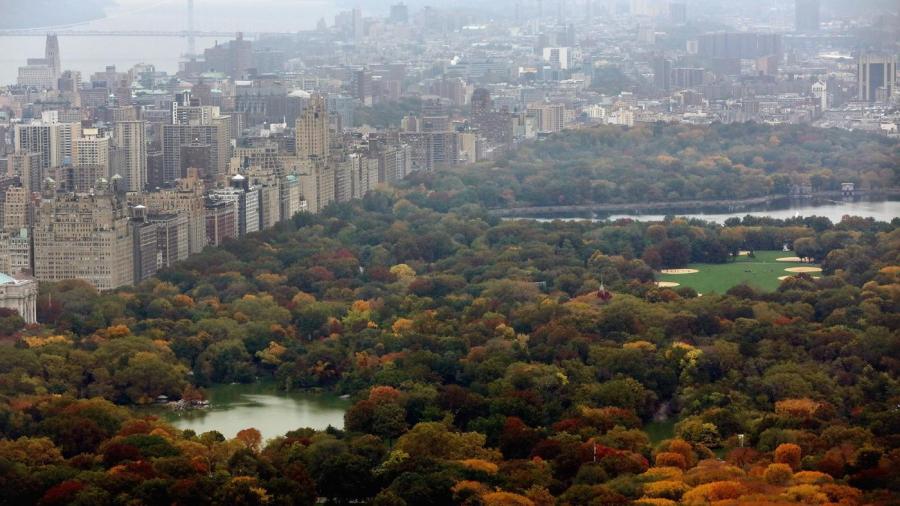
[
  {"x": 804, "y": 269},
  {"x": 789, "y": 259},
  {"x": 667, "y": 284},
  {"x": 679, "y": 271}
]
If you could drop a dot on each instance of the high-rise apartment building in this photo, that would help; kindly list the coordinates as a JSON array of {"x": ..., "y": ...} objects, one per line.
[
  {"x": 550, "y": 117},
  {"x": 394, "y": 163},
  {"x": 130, "y": 143},
  {"x": 17, "y": 209},
  {"x": 678, "y": 12},
  {"x": 399, "y": 13},
  {"x": 92, "y": 150},
  {"x": 144, "y": 240},
  {"x": 197, "y": 135},
  {"x": 739, "y": 45},
  {"x": 221, "y": 220},
  {"x": 245, "y": 201},
  {"x": 684, "y": 77},
  {"x": 806, "y": 15},
  {"x": 187, "y": 199},
  {"x": 172, "y": 237},
  {"x": 312, "y": 130},
  {"x": 27, "y": 167},
  {"x": 212, "y": 139},
  {"x": 317, "y": 185},
  {"x": 84, "y": 237},
  {"x": 54, "y": 141},
  {"x": 662, "y": 73},
  {"x": 876, "y": 76}
]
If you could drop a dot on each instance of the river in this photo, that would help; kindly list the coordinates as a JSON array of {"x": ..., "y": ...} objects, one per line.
[
  {"x": 92, "y": 54},
  {"x": 880, "y": 210},
  {"x": 261, "y": 406}
]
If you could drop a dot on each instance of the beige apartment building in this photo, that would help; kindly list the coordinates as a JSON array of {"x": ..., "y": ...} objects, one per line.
[
  {"x": 84, "y": 237},
  {"x": 92, "y": 150},
  {"x": 186, "y": 198},
  {"x": 317, "y": 185},
  {"x": 312, "y": 130}
]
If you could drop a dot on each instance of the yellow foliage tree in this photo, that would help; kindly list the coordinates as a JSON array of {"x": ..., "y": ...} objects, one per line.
[
  {"x": 666, "y": 489},
  {"x": 505, "y": 499},
  {"x": 715, "y": 491},
  {"x": 800, "y": 408},
  {"x": 662, "y": 473},
  {"x": 778, "y": 474},
  {"x": 812, "y": 477},
  {"x": 808, "y": 494},
  {"x": 402, "y": 325},
  {"x": 480, "y": 465},
  {"x": 654, "y": 501}
]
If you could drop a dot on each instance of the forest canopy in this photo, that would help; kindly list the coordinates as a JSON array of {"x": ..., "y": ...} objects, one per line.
[
  {"x": 489, "y": 362},
  {"x": 673, "y": 162}
]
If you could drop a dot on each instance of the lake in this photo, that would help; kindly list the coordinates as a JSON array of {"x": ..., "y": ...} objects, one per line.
[
  {"x": 880, "y": 210},
  {"x": 261, "y": 406}
]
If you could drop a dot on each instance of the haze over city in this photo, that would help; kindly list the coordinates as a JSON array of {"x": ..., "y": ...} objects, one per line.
[{"x": 398, "y": 253}]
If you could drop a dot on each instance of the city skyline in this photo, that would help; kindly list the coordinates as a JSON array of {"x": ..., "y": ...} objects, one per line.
[{"x": 403, "y": 253}]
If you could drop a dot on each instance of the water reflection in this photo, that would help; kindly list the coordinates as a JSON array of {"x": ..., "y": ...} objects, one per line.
[{"x": 237, "y": 407}]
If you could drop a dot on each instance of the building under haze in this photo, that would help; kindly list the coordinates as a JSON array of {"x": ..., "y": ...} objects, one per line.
[
  {"x": 806, "y": 15},
  {"x": 43, "y": 73},
  {"x": 876, "y": 75}
]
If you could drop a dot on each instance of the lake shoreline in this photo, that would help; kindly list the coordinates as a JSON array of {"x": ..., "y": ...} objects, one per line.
[
  {"x": 589, "y": 210},
  {"x": 261, "y": 405}
]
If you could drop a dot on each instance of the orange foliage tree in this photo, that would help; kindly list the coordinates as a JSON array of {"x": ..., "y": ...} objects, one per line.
[{"x": 788, "y": 453}]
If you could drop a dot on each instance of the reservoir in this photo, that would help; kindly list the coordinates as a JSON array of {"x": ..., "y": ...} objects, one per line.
[
  {"x": 261, "y": 406},
  {"x": 834, "y": 210}
]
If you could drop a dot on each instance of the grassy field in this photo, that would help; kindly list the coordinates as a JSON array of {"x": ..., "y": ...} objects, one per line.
[{"x": 760, "y": 272}]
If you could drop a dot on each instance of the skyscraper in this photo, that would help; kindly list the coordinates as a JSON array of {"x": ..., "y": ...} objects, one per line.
[
  {"x": 131, "y": 150},
  {"x": 662, "y": 73},
  {"x": 27, "y": 166},
  {"x": 43, "y": 72},
  {"x": 399, "y": 13},
  {"x": 51, "y": 54},
  {"x": 875, "y": 76},
  {"x": 806, "y": 15},
  {"x": 357, "y": 24},
  {"x": 678, "y": 12},
  {"x": 212, "y": 138},
  {"x": 312, "y": 129}
]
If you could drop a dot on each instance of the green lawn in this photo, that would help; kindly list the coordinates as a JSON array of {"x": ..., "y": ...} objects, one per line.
[{"x": 760, "y": 272}]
